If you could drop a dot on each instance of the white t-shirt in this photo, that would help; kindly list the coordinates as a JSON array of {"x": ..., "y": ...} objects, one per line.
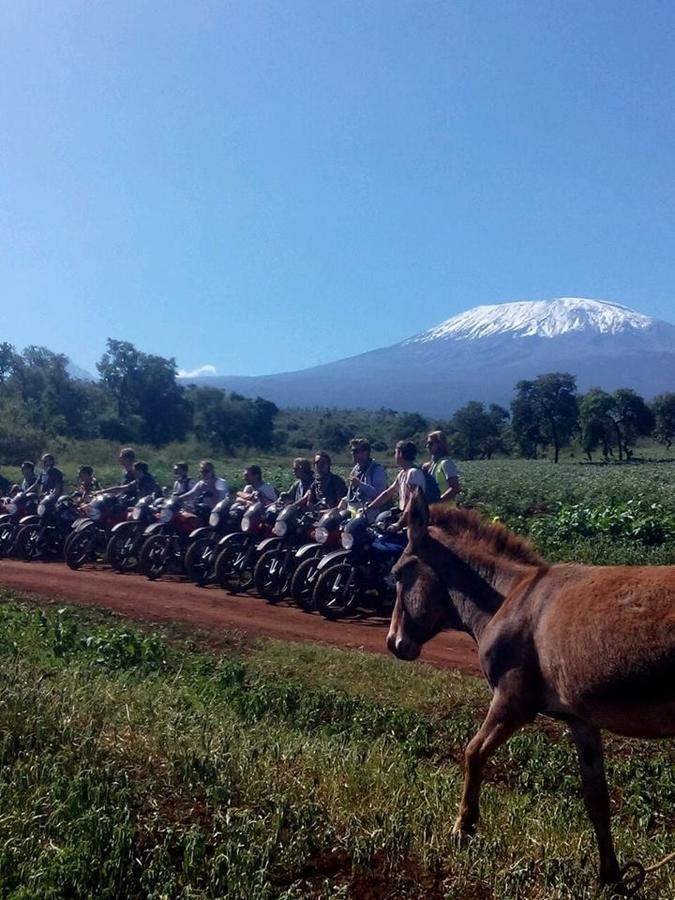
[
  {"x": 406, "y": 480},
  {"x": 266, "y": 492}
]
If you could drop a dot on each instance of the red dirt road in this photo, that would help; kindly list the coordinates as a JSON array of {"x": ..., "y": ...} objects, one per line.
[{"x": 213, "y": 609}]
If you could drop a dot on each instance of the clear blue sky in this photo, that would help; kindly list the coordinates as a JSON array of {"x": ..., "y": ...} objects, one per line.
[{"x": 262, "y": 186}]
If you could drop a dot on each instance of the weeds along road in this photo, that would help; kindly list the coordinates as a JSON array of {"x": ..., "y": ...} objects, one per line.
[{"x": 212, "y": 609}]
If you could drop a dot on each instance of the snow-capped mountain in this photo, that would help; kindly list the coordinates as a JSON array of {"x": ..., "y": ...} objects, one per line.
[{"x": 480, "y": 354}]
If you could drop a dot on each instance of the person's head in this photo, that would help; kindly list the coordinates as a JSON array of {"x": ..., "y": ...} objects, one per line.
[
  {"x": 322, "y": 463},
  {"x": 206, "y": 469},
  {"x": 360, "y": 448},
  {"x": 437, "y": 443},
  {"x": 253, "y": 475},
  {"x": 47, "y": 461},
  {"x": 85, "y": 475},
  {"x": 302, "y": 468},
  {"x": 27, "y": 468},
  {"x": 127, "y": 458},
  {"x": 180, "y": 470},
  {"x": 140, "y": 469},
  {"x": 405, "y": 453}
]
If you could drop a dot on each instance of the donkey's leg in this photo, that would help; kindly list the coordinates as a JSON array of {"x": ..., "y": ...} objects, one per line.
[
  {"x": 505, "y": 716},
  {"x": 596, "y": 797}
]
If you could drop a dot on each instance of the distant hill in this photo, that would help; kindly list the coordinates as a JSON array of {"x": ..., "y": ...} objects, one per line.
[{"x": 480, "y": 355}]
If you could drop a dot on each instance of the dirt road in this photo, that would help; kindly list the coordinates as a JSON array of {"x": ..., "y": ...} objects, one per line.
[{"x": 214, "y": 610}]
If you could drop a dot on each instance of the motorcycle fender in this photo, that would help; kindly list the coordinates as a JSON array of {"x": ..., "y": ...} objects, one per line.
[
  {"x": 237, "y": 537},
  {"x": 123, "y": 526},
  {"x": 330, "y": 558},
  {"x": 204, "y": 531},
  {"x": 30, "y": 520},
  {"x": 307, "y": 551},
  {"x": 81, "y": 524},
  {"x": 5, "y": 517},
  {"x": 267, "y": 544},
  {"x": 155, "y": 528}
]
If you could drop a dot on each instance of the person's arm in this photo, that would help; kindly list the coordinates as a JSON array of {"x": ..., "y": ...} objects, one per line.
[
  {"x": 368, "y": 492},
  {"x": 452, "y": 479},
  {"x": 188, "y": 495},
  {"x": 384, "y": 497}
]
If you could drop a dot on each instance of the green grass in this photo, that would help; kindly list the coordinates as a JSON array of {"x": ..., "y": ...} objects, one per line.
[{"x": 139, "y": 764}]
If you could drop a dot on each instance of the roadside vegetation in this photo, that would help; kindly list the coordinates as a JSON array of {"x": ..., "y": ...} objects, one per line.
[{"x": 144, "y": 764}]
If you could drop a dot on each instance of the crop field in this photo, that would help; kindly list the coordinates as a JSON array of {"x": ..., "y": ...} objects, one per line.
[{"x": 138, "y": 764}]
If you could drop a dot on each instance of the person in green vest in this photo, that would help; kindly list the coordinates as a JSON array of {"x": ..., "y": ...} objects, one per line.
[{"x": 441, "y": 467}]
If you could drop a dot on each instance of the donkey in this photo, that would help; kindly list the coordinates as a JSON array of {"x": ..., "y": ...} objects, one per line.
[{"x": 593, "y": 646}]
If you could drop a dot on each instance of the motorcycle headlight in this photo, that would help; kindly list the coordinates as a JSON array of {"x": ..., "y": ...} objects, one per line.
[
  {"x": 214, "y": 519},
  {"x": 280, "y": 528},
  {"x": 321, "y": 534},
  {"x": 94, "y": 513},
  {"x": 42, "y": 509},
  {"x": 165, "y": 515},
  {"x": 246, "y": 523},
  {"x": 136, "y": 513},
  {"x": 12, "y": 508},
  {"x": 347, "y": 540}
]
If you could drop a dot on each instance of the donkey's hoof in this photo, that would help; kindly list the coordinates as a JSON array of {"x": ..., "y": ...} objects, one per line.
[{"x": 463, "y": 831}]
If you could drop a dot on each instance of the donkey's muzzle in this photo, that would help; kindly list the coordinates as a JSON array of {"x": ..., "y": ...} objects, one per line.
[{"x": 403, "y": 647}]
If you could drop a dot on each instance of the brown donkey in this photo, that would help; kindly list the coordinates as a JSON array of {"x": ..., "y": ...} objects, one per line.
[{"x": 591, "y": 645}]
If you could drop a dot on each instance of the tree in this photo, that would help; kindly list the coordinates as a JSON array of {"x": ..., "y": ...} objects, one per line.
[
  {"x": 597, "y": 426},
  {"x": 663, "y": 409},
  {"x": 545, "y": 411},
  {"x": 475, "y": 432},
  {"x": 145, "y": 392},
  {"x": 616, "y": 420}
]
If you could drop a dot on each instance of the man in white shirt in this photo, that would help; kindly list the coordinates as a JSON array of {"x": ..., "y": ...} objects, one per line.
[
  {"x": 255, "y": 488},
  {"x": 209, "y": 490},
  {"x": 403, "y": 485}
]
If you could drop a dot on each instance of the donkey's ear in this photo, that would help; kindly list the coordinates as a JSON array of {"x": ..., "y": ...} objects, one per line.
[{"x": 418, "y": 518}]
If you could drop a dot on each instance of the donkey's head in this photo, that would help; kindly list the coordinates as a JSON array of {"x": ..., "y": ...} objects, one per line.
[{"x": 421, "y": 608}]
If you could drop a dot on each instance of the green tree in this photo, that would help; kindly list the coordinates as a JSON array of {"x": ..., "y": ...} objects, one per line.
[
  {"x": 477, "y": 432},
  {"x": 545, "y": 411},
  {"x": 663, "y": 409}
]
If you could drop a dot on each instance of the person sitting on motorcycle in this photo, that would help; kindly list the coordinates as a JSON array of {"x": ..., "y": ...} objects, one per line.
[
  {"x": 51, "y": 479},
  {"x": 402, "y": 488},
  {"x": 441, "y": 467},
  {"x": 255, "y": 488},
  {"x": 126, "y": 459},
  {"x": 367, "y": 478},
  {"x": 209, "y": 490},
  {"x": 302, "y": 469},
  {"x": 87, "y": 484},
  {"x": 28, "y": 481},
  {"x": 145, "y": 482},
  {"x": 327, "y": 489},
  {"x": 183, "y": 482},
  {"x": 5, "y": 486}
]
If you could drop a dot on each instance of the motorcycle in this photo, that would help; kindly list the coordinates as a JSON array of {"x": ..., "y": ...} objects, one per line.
[
  {"x": 126, "y": 538},
  {"x": 277, "y": 554},
  {"x": 308, "y": 556},
  {"x": 44, "y": 534},
  {"x": 237, "y": 552},
  {"x": 225, "y": 518},
  {"x": 165, "y": 541},
  {"x": 15, "y": 508},
  {"x": 88, "y": 540},
  {"x": 357, "y": 574}
]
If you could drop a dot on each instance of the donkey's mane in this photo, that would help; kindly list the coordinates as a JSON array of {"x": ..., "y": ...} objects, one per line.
[{"x": 492, "y": 538}]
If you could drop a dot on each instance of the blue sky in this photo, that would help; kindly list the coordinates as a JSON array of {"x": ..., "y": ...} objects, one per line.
[{"x": 261, "y": 186}]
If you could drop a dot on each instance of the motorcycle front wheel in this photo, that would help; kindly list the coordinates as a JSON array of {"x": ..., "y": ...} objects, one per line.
[
  {"x": 304, "y": 582},
  {"x": 30, "y": 543},
  {"x": 8, "y": 533},
  {"x": 80, "y": 548},
  {"x": 199, "y": 560},
  {"x": 234, "y": 567},
  {"x": 271, "y": 576},
  {"x": 155, "y": 555},
  {"x": 336, "y": 594},
  {"x": 122, "y": 551}
]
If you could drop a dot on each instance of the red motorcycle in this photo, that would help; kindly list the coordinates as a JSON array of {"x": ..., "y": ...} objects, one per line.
[
  {"x": 167, "y": 539},
  {"x": 14, "y": 510},
  {"x": 88, "y": 541},
  {"x": 238, "y": 553}
]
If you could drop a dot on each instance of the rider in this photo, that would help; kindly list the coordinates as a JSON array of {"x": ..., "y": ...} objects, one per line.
[
  {"x": 255, "y": 488},
  {"x": 28, "y": 481},
  {"x": 302, "y": 469},
  {"x": 403, "y": 486},
  {"x": 183, "y": 482},
  {"x": 87, "y": 484},
  {"x": 209, "y": 490},
  {"x": 327, "y": 489},
  {"x": 145, "y": 483},
  {"x": 51, "y": 479},
  {"x": 367, "y": 478},
  {"x": 441, "y": 467},
  {"x": 127, "y": 458}
]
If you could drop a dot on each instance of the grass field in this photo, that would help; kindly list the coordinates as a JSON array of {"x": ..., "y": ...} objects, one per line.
[{"x": 136, "y": 764}]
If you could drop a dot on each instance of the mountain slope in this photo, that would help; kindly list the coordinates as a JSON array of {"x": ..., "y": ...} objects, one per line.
[{"x": 481, "y": 354}]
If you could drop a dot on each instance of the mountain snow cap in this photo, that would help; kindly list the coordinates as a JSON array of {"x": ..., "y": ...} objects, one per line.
[{"x": 543, "y": 318}]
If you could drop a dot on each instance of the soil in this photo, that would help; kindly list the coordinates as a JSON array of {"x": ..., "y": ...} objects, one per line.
[{"x": 172, "y": 601}]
